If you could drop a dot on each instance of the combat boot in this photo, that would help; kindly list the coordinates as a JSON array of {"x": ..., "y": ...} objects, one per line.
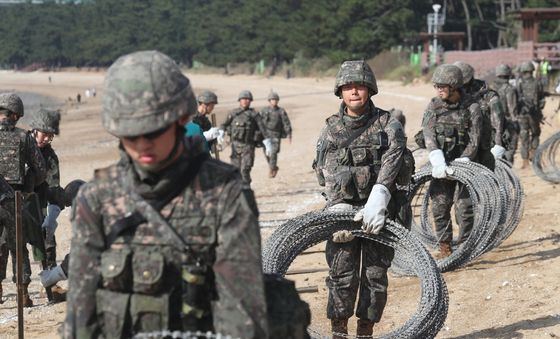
[
  {"x": 273, "y": 172},
  {"x": 364, "y": 329},
  {"x": 444, "y": 250},
  {"x": 27, "y": 302},
  {"x": 339, "y": 328},
  {"x": 58, "y": 293}
]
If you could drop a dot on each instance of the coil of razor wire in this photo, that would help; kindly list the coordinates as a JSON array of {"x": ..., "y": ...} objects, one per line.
[
  {"x": 181, "y": 335},
  {"x": 488, "y": 198},
  {"x": 515, "y": 199},
  {"x": 546, "y": 161},
  {"x": 300, "y": 233}
]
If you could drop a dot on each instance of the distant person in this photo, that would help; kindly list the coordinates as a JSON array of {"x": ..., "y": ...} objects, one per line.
[
  {"x": 50, "y": 79},
  {"x": 278, "y": 126},
  {"x": 87, "y": 93},
  {"x": 79, "y": 98},
  {"x": 544, "y": 68},
  {"x": 93, "y": 92},
  {"x": 244, "y": 124},
  {"x": 207, "y": 100},
  {"x": 508, "y": 98}
]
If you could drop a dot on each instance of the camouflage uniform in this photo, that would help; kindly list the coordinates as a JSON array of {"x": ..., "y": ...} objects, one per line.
[
  {"x": 455, "y": 128},
  {"x": 399, "y": 115},
  {"x": 245, "y": 128},
  {"x": 278, "y": 126},
  {"x": 348, "y": 173},
  {"x": 508, "y": 98},
  {"x": 531, "y": 102},
  {"x": 178, "y": 249},
  {"x": 19, "y": 150}
]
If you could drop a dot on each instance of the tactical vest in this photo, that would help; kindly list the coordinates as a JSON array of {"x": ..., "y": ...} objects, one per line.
[
  {"x": 453, "y": 137},
  {"x": 502, "y": 90},
  {"x": 272, "y": 120},
  {"x": 12, "y": 159},
  {"x": 528, "y": 92},
  {"x": 243, "y": 127},
  {"x": 139, "y": 279}
]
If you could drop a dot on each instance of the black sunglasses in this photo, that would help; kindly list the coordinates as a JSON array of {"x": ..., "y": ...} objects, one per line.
[{"x": 150, "y": 136}]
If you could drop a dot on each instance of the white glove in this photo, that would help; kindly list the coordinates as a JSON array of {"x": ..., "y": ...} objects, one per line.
[
  {"x": 342, "y": 236},
  {"x": 439, "y": 167},
  {"x": 267, "y": 146},
  {"x": 341, "y": 207},
  {"x": 221, "y": 136},
  {"x": 52, "y": 276},
  {"x": 463, "y": 159},
  {"x": 498, "y": 151},
  {"x": 373, "y": 213},
  {"x": 50, "y": 223},
  {"x": 212, "y": 133}
]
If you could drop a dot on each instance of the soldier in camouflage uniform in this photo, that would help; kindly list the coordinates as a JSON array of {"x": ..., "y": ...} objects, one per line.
[
  {"x": 7, "y": 224},
  {"x": 359, "y": 154},
  {"x": 531, "y": 102},
  {"x": 207, "y": 100},
  {"x": 246, "y": 130},
  {"x": 23, "y": 167},
  {"x": 508, "y": 98},
  {"x": 278, "y": 126},
  {"x": 167, "y": 238},
  {"x": 493, "y": 116},
  {"x": 452, "y": 127}
]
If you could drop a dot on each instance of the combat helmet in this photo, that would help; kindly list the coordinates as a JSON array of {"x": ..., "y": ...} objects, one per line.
[
  {"x": 71, "y": 190},
  {"x": 46, "y": 121},
  {"x": 145, "y": 92},
  {"x": 527, "y": 66},
  {"x": 273, "y": 96},
  {"x": 355, "y": 72},
  {"x": 466, "y": 69},
  {"x": 245, "y": 95},
  {"x": 207, "y": 97},
  {"x": 503, "y": 70},
  {"x": 447, "y": 74},
  {"x": 12, "y": 102}
]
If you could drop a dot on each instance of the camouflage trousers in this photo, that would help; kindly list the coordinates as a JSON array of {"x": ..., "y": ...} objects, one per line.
[
  {"x": 274, "y": 150},
  {"x": 511, "y": 137},
  {"x": 243, "y": 157},
  {"x": 530, "y": 131},
  {"x": 347, "y": 279},
  {"x": 4, "y": 253},
  {"x": 442, "y": 192}
]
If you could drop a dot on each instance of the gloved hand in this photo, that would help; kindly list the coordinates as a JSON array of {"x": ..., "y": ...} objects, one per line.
[
  {"x": 498, "y": 151},
  {"x": 373, "y": 213},
  {"x": 439, "y": 167},
  {"x": 463, "y": 159},
  {"x": 267, "y": 146},
  {"x": 342, "y": 236},
  {"x": 50, "y": 219},
  {"x": 212, "y": 133},
  {"x": 221, "y": 136}
]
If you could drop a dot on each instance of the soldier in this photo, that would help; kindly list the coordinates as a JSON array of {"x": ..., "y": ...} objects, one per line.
[
  {"x": 245, "y": 127},
  {"x": 166, "y": 238},
  {"x": 277, "y": 124},
  {"x": 206, "y": 102},
  {"x": 359, "y": 154},
  {"x": 23, "y": 167},
  {"x": 452, "y": 127},
  {"x": 399, "y": 115},
  {"x": 531, "y": 103},
  {"x": 492, "y": 115},
  {"x": 7, "y": 224},
  {"x": 508, "y": 98}
]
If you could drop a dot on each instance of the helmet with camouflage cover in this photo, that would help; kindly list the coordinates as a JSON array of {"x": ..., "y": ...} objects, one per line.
[
  {"x": 46, "y": 121},
  {"x": 503, "y": 70},
  {"x": 355, "y": 72},
  {"x": 466, "y": 69},
  {"x": 527, "y": 66},
  {"x": 245, "y": 95},
  {"x": 273, "y": 96},
  {"x": 12, "y": 102},
  {"x": 207, "y": 97},
  {"x": 71, "y": 190},
  {"x": 447, "y": 74},
  {"x": 145, "y": 92}
]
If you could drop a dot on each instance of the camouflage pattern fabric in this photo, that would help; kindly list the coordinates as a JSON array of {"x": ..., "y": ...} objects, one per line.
[
  {"x": 399, "y": 115},
  {"x": 202, "y": 121},
  {"x": 508, "y": 97},
  {"x": 450, "y": 75},
  {"x": 277, "y": 124},
  {"x": 373, "y": 157},
  {"x": 12, "y": 102},
  {"x": 531, "y": 101},
  {"x": 274, "y": 150},
  {"x": 136, "y": 283},
  {"x": 46, "y": 121},
  {"x": 243, "y": 157},
  {"x": 207, "y": 97},
  {"x": 442, "y": 193},
  {"x": 355, "y": 72}
]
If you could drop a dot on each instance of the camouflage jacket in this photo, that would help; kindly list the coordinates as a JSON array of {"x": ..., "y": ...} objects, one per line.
[
  {"x": 453, "y": 128},
  {"x": 202, "y": 121},
  {"x": 50, "y": 190},
  {"x": 245, "y": 126},
  {"x": 531, "y": 96},
  {"x": 148, "y": 278},
  {"x": 508, "y": 98},
  {"x": 29, "y": 156},
  {"x": 373, "y": 157},
  {"x": 493, "y": 114},
  {"x": 276, "y": 122}
]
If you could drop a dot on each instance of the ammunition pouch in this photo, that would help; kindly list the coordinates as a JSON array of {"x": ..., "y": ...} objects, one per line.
[
  {"x": 112, "y": 313},
  {"x": 115, "y": 269},
  {"x": 452, "y": 139},
  {"x": 407, "y": 169},
  {"x": 150, "y": 313}
]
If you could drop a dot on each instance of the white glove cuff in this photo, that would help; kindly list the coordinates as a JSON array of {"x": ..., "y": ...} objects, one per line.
[{"x": 436, "y": 158}]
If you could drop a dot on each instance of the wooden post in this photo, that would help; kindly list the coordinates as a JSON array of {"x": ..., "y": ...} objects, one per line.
[
  {"x": 19, "y": 261},
  {"x": 214, "y": 146}
]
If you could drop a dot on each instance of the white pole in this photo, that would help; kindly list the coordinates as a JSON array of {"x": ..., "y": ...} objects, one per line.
[{"x": 436, "y": 8}]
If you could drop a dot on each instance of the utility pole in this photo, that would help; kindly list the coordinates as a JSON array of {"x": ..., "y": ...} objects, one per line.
[{"x": 436, "y": 8}]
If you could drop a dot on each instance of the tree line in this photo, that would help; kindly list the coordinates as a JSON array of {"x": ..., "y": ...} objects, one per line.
[{"x": 216, "y": 32}]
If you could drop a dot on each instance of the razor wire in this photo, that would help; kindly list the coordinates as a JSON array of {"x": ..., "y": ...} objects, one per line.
[
  {"x": 301, "y": 233},
  {"x": 181, "y": 335},
  {"x": 545, "y": 160}
]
